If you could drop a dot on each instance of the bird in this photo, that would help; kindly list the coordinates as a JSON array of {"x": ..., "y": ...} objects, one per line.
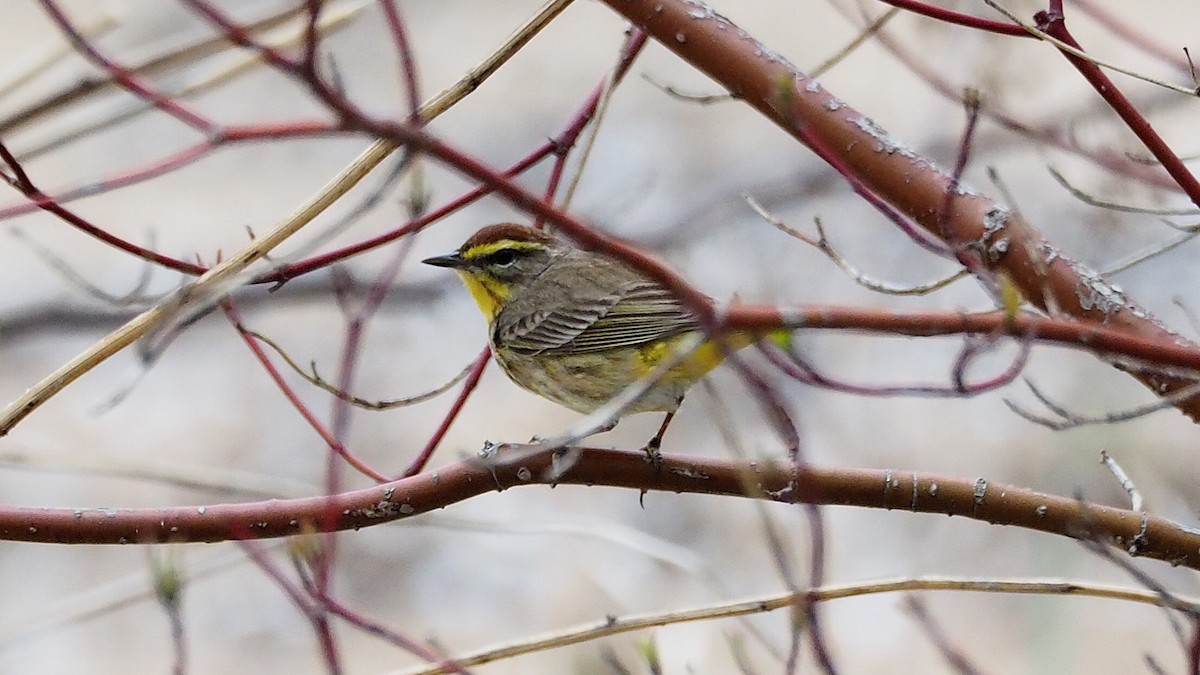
[{"x": 578, "y": 327}]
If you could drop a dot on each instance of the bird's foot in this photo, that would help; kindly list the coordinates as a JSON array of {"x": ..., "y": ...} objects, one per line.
[{"x": 653, "y": 456}]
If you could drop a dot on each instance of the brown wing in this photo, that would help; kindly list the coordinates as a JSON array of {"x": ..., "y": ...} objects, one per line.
[{"x": 592, "y": 309}]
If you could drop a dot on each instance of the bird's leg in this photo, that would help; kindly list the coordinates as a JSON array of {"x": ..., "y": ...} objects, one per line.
[{"x": 652, "y": 454}]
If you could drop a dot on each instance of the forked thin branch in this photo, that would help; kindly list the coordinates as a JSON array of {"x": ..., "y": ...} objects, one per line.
[{"x": 221, "y": 279}]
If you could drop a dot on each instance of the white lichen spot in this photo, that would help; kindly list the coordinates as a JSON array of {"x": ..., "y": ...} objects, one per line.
[
  {"x": 1041, "y": 511},
  {"x": 933, "y": 489},
  {"x": 981, "y": 486},
  {"x": 834, "y": 105},
  {"x": 774, "y": 57},
  {"x": 886, "y": 143},
  {"x": 994, "y": 222},
  {"x": 780, "y": 493},
  {"x": 384, "y": 508},
  {"x": 32, "y": 530},
  {"x": 689, "y": 472},
  {"x": 1094, "y": 293},
  {"x": 812, "y": 87},
  {"x": 1048, "y": 252},
  {"x": 681, "y": 38},
  {"x": 998, "y": 249},
  {"x": 524, "y": 474},
  {"x": 200, "y": 510}
]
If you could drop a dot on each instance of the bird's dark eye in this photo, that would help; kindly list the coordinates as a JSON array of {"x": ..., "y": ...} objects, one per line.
[{"x": 502, "y": 258}]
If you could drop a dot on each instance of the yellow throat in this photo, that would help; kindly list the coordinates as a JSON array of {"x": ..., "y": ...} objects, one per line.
[{"x": 489, "y": 293}]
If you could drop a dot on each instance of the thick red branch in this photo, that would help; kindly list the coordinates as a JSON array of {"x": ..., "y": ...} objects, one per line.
[
  {"x": 1096, "y": 338},
  {"x": 874, "y": 160},
  {"x": 512, "y": 466}
]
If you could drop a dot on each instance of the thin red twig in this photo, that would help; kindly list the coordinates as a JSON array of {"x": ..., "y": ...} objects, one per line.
[
  {"x": 958, "y": 18},
  {"x": 468, "y": 386},
  {"x": 123, "y": 76},
  {"x": 408, "y": 67},
  {"x": 1054, "y": 24},
  {"x": 265, "y": 360}
]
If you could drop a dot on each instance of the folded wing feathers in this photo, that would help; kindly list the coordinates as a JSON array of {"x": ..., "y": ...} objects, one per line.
[{"x": 641, "y": 313}]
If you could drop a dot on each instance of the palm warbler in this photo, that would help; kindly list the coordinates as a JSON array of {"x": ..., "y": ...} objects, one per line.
[{"x": 578, "y": 327}]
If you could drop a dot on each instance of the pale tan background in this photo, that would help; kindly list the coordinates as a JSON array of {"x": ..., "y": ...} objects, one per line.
[{"x": 665, "y": 173}]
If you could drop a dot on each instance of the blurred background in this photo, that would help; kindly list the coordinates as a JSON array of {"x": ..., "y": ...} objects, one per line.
[{"x": 204, "y": 424}]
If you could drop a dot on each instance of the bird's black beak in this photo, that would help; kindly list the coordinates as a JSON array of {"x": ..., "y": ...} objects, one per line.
[{"x": 451, "y": 260}]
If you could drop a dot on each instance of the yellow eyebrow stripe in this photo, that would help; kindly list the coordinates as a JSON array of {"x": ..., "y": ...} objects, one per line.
[{"x": 483, "y": 250}]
